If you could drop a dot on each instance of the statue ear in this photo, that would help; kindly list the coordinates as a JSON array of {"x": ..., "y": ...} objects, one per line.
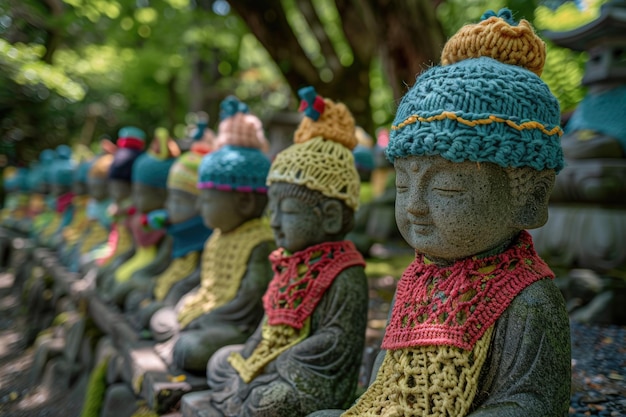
[
  {"x": 332, "y": 216},
  {"x": 532, "y": 211}
]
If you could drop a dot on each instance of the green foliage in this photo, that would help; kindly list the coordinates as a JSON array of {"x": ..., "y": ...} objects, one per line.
[{"x": 73, "y": 73}]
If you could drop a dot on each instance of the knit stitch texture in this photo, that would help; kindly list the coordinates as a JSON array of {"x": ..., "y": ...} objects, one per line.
[
  {"x": 234, "y": 168},
  {"x": 477, "y": 108},
  {"x": 455, "y": 305},
  {"x": 224, "y": 263}
]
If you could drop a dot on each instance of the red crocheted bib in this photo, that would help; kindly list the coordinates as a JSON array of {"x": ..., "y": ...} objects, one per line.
[
  {"x": 300, "y": 280},
  {"x": 455, "y": 305}
]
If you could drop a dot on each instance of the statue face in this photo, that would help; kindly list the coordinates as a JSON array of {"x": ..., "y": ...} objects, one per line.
[
  {"x": 219, "y": 210},
  {"x": 58, "y": 189},
  {"x": 450, "y": 211},
  {"x": 119, "y": 190},
  {"x": 147, "y": 198},
  {"x": 97, "y": 188},
  {"x": 180, "y": 205},
  {"x": 295, "y": 223},
  {"x": 79, "y": 188}
]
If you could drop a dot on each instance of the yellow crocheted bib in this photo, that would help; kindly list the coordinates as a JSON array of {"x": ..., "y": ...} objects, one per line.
[
  {"x": 177, "y": 270},
  {"x": 276, "y": 340},
  {"x": 224, "y": 263},
  {"x": 142, "y": 257},
  {"x": 96, "y": 234},
  {"x": 73, "y": 231},
  {"x": 425, "y": 381},
  {"x": 49, "y": 229}
]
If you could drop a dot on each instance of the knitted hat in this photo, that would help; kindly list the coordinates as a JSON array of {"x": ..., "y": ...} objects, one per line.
[
  {"x": 62, "y": 168},
  {"x": 238, "y": 127},
  {"x": 153, "y": 167},
  {"x": 184, "y": 172},
  {"x": 321, "y": 158},
  {"x": 485, "y": 103},
  {"x": 40, "y": 171},
  {"x": 238, "y": 164},
  {"x": 82, "y": 170},
  {"x": 130, "y": 144},
  {"x": 10, "y": 179},
  {"x": 234, "y": 168}
]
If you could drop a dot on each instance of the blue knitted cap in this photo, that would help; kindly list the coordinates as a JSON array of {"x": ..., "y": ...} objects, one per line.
[
  {"x": 152, "y": 171},
  {"x": 480, "y": 109},
  {"x": 82, "y": 171},
  {"x": 62, "y": 168},
  {"x": 234, "y": 168},
  {"x": 153, "y": 167},
  {"x": 40, "y": 171}
]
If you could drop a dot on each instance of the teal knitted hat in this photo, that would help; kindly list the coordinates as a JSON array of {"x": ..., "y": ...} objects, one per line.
[
  {"x": 152, "y": 167},
  {"x": 62, "y": 168},
  {"x": 40, "y": 170},
  {"x": 234, "y": 168},
  {"x": 130, "y": 144},
  {"x": 485, "y": 103}
]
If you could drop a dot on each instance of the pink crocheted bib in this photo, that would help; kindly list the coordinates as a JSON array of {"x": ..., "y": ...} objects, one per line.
[
  {"x": 300, "y": 280},
  {"x": 455, "y": 305}
]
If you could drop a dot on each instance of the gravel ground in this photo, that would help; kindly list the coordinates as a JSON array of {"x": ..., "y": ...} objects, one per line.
[{"x": 598, "y": 363}]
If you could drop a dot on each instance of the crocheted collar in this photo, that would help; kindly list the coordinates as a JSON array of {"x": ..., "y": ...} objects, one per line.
[
  {"x": 141, "y": 235},
  {"x": 301, "y": 280},
  {"x": 64, "y": 201},
  {"x": 455, "y": 305},
  {"x": 188, "y": 236}
]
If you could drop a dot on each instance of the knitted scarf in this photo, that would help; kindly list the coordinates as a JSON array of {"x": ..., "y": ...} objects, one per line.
[
  {"x": 143, "y": 236},
  {"x": 299, "y": 283},
  {"x": 119, "y": 241},
  {"x": 224, "y": 263},
  {"x": 79, "y": 220},
  {"x": 440, "y": 330},
  {"x": 64, "y": 201},
  {"x": 188, "y": 236},
  {"x": 455, "y": 305},
  {"x": 180, "y": 267},
  {"x": 301, "y": 280},
  {"x": 146, "y": 248}
]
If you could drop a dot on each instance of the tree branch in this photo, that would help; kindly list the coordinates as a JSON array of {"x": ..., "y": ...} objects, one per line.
[{"x": 314, "y": 22}]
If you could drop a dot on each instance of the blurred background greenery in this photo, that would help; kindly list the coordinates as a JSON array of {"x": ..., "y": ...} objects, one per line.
[{"x": 72, "y": 71}]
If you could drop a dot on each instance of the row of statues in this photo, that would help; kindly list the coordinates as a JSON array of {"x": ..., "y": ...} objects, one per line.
[{"x": 229, "y": 265}]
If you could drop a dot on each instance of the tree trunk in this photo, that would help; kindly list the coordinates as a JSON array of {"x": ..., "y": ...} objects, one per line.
[{"x": 405, "y": 34}]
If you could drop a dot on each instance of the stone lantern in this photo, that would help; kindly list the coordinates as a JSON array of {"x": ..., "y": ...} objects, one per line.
[{"x": 585, "y": 235}]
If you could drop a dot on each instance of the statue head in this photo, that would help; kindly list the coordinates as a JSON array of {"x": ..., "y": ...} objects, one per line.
[
  {"x": 181, "y": 203},
  {"x": 232, "y": 178},
  {"x": 39, "y": 176},
  {"x": 150, "y": 171},
  {"x": 98, "y": 172},
  {"x": 62, "y": 171},
  {"x": 314, "y": 184},
  {"x": 475, "y": 142},
  {"x": 129, "y": 146}
]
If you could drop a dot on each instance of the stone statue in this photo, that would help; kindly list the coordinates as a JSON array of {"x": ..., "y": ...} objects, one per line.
[
  {"x": 585, "y": 232},
  {"x": 305, "y": 354},
  {"x": 43, "y": 201},
  {"x": 477, "y": 327},
  {"x": 226, "y": 307},
  {"x": 71, "y": 235},
  {"x": 183, "y": 223},
  {"x": 152, "y": 251},
  {"x": 129, "y": 147},
  {"x": 93, "y": 242}
]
